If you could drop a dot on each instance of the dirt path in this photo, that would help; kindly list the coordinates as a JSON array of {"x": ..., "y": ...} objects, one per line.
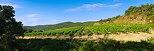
[
  {"x": 132, "y": 36},
  {"x": 120, "y": 37}
]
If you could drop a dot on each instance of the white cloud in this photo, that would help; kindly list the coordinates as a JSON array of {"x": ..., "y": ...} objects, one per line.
[
  {"x": 35, "y": 19},
  {"x": 15, "y": 6},
  {"x": 115, "y": 5},
  {"x": 32, "y": 15},
  {"x": 30, "y": 19},
  {"x": 92, "y": 6}
]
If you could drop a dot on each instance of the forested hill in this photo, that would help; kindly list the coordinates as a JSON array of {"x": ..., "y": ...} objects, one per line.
[
  {"x": 59, "y": 26},
  {"x": 143, "y": 14}
]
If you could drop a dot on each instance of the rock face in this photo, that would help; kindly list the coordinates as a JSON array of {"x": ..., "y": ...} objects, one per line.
[
  {"x": 133, "y": 19},
  {"x": 139, "y": 19}
]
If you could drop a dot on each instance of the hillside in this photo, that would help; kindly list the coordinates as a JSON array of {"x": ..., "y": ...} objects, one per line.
[
  {"x": 112, "y": 31},
  {"x": 136, "y": 20},
  {"x": 58, "y": 26},
  {"x": 143, "y": 14}
]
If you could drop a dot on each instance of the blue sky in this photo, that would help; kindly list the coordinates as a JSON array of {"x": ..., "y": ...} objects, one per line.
[{"x": 42, "y": 12}]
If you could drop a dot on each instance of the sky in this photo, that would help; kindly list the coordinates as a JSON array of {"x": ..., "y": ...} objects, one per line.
[{"x": 45, "y": 12}]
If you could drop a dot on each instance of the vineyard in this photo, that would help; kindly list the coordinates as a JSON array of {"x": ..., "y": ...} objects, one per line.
[{"x": 97, "y": 29}]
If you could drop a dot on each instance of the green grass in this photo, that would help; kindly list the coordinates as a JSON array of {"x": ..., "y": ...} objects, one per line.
[{"x": 97, "y": 29}]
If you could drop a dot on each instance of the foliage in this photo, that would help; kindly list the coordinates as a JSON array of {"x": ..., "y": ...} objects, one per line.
[
  {"x": 81, "y": 45},
  {"x": 143, "y": 9},
  {"x": 9, "y": 27},
  {"x": 151, "y": 25},
  {"x": 109, "y": 19},
  {"x": 151, "y": 40}
]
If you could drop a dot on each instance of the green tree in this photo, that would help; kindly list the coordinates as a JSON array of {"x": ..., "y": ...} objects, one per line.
[{"x": 9, "y": 27}]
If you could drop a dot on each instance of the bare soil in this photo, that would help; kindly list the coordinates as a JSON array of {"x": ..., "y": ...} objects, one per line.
[{"x": 119, "y": 37}]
